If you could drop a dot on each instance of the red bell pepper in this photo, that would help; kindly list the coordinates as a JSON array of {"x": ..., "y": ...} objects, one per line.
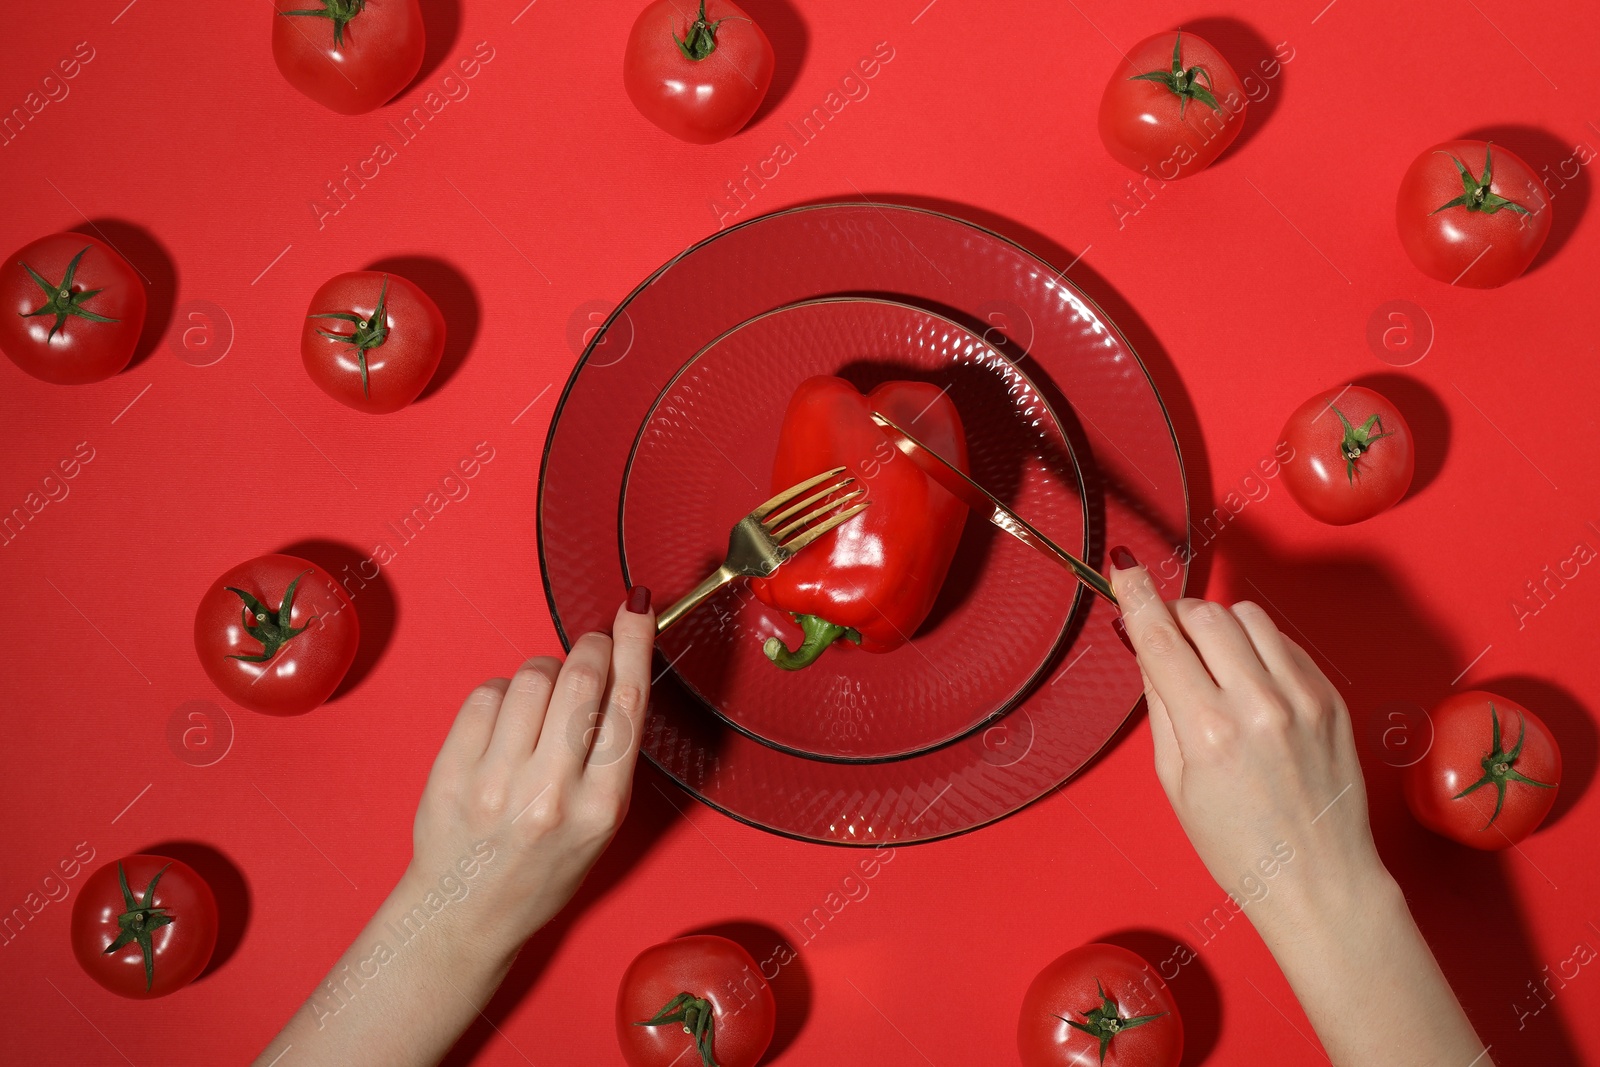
[{"x": 873, "y": 580}]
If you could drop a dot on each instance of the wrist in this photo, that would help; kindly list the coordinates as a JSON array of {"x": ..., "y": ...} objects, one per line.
[
  {"x": 1322, "y": 906},
  {"x": 441, "y": 916}
]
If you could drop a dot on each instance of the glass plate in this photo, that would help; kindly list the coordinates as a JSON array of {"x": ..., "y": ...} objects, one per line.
[
  {"x": 1132, "y": 473},
  {"x": 704, "y": 457}
]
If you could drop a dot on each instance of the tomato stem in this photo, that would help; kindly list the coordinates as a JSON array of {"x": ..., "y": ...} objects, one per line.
[
  {"x": 139, "y": 921},
  {"x": 1105, "y": 1022},
  {"x": 271, "y": 628},
  {"x": 1184, "y": 82},
  {"x": 701, "y": 40},
  {"x": 695, "y": 1015},
  {"x": 370, "y": 332},
  {"x": 819, "y": 634},
  {"x": 1477, "y": 195},
  {"x": 1357, "y": 439},
  {"x": 60, "y": 300},
  {"x": 1499, "y": 766},
  {"x": 341, "y": 12}
]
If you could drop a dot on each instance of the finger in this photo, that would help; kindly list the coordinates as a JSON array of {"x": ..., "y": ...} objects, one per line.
[
  {"x": 1265, "y": 638},
  {"x": 1223, "y": 646},
  {"x": 574, "y": 710},
  {"x": 614, "y": 744},
  {"x": 1174, "y": 669},
  {"x": 523, "y": 711},
  {"x": 469, "y": 734},
  {"x": 1168, "y": 753}
]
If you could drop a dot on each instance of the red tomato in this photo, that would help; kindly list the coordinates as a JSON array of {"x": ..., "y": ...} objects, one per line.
[
  {"x": 71, "y": 309},
  {"x": 372, "y": 340},
  {"x": 700, "y": 78},
  {"x": 1472, "y": 215},
  {"x": 348, "y": 55},
  {"x": 144, "y": 926},
  {"x": 1491, "y": 775},
  {"x": 1353, "y": 455},
  {"x": 702, "y": 992},
  {"x": 276, "y": 634},
  {"x": 1172, "y": 107},
  {"x": 1099, "y": 1004}
]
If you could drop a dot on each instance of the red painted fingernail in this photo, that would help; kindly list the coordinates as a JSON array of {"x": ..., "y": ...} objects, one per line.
[
  {"x": 1122, "y": 559},
  {"x": 639, "y": 599},
  {"x": 1122, "y": 634}
]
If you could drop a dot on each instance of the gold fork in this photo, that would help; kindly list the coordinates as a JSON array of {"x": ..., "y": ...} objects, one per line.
[{"x": 766, "y": 538}]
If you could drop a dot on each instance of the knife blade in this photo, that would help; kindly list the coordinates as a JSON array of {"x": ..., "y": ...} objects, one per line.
[{"x": 983, "y": 502}]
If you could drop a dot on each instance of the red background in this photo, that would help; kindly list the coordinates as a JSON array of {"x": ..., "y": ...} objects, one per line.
[{"x": 543, "y": 197}]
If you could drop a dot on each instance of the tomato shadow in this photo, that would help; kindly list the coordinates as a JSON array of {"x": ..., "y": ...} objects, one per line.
[
  {"x": 1550, "y": 159},
  {"x": 441, "y": 22},
  {"x": 649, "y": 816},
  {"x": 1572, "y": 726},
  {"x": 154, "y": 265},
  {"x": 227, "y": 881},
  {"x": 1378, "y": 644},
  {"x": 458, "y": 302},
  {"x": 1251, "y": 57},
  {"x": 791, "y": 986},
  {"x": 1192, "y": 985},
  {"x": 781, "y": 21},
  {"x": 369, "y": 590},
  {"x": 1427, "y": 416}
]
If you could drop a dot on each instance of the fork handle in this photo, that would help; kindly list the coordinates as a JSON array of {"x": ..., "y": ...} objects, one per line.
[{"x": 697, "y": 596}]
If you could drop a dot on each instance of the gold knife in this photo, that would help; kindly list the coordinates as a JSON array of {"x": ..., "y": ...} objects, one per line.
[{"x": 981, "y": 501}]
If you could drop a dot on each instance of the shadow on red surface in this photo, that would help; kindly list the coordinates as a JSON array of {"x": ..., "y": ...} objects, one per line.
[
  {"x": 441, "y": 22},
  {"x": 1428, "y": 418},
  {"x": 791, "y": 987},
  {"x": 780, "y": 20},
  {"x": 1193, "y": 988},
  {"x": 458, "y": 301},
  {"x": 373, "y": 597},
  {"x": 154, "y": 264},
  {"x": 227, "y": 882},
  {"x": 1572, "y": 725},
  {"x": 1251, "y": 58},
  {"x": 1559, "y": 167}
]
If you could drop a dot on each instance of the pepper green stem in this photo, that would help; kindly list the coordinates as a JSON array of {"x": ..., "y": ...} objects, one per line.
[{"x": 819, "y": 634}]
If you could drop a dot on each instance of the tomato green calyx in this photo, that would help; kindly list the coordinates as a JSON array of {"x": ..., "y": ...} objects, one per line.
[
  {"x": 139, "y": 921},
  {"x": 1357, "y": 439},
  {"x": 370, "y": 332},
  {"x": 1499, "y": 766},
  {"x": 342, "y": 12},
  {"x": 1184, "y": 82},
  {"x": 60, "y": 300},
  {"x": 272, "y": 629},
  {"x": 701, "y": 40},
  {"x": 819, "y": 634},
  {"x": 1477, "y": 195},
  {"x": 695, "y": 1015},
  {"x": 1105, "y": 1022}
]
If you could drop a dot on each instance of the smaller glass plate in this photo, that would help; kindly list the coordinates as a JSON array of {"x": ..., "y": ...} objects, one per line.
[{"x": 704, "y": 456}]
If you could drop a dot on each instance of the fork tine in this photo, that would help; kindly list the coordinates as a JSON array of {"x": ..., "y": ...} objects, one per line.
[
  {"x": 797, "y": 543},
  {"x": 793, "y": 491},
  {"x": 771, "y": 522},
  {"x": 797, "y": 525}
]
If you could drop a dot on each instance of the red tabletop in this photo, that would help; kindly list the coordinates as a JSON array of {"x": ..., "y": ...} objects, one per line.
[{"x": 531, "y": 199}]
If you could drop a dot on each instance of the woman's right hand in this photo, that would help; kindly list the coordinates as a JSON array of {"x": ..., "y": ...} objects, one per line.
[
  {"x": 1253, "y": 746},
  {"x": 1254, "y": 749}
]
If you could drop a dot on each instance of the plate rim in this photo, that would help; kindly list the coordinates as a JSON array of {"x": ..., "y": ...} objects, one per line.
[{"x": 1059, "y": 274}]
